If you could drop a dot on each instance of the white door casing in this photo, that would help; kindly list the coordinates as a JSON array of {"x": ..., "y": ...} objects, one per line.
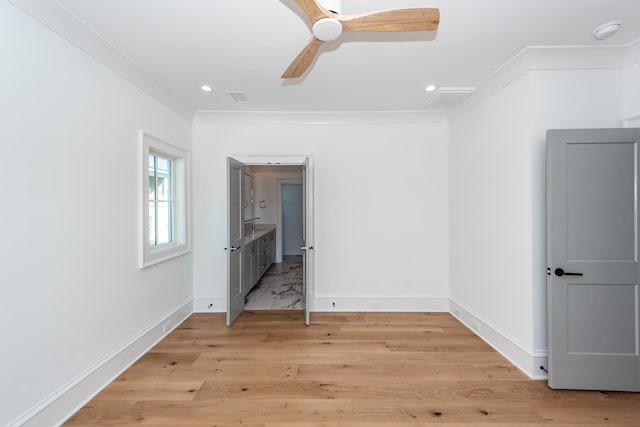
[{"x": 308, "y": 252}]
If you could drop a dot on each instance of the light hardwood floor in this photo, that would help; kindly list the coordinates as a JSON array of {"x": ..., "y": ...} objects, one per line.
[{"x": 345, "y": 370}]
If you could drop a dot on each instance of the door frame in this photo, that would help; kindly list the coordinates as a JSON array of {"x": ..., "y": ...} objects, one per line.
[{"x": 306, "y": 161}]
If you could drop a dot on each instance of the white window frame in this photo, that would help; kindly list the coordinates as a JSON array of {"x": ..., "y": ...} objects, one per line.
[{"x": 181, "y": 231}]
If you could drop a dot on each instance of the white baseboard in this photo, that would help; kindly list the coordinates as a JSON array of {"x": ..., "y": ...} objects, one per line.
[
  {"x": 219, "y": 305},
  {"x": 385, "y": 304},
  {"x": 210, "y": 305},
  {"x": 528, "y": 361},
  {"x": 68, "y": 399}
]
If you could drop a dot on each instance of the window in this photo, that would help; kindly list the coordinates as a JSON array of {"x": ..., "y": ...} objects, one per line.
[
  {"x": 160, "y": 200},
  {"x": 164, "y": 220}
]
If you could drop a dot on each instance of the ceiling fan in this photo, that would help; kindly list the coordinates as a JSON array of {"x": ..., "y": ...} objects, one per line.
[{"x": 329, "y": 25}]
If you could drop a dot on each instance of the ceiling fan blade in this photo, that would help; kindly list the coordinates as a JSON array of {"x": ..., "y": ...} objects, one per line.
[
  {"x": 313, "y": 10},
  {"x": 303, "y": 60},
  {"x": 410, "y": 19}
]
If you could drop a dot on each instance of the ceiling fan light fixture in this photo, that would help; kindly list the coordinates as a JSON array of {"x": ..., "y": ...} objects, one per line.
[
  {"x": 327, "y": 29},
  {"x": 605, "y": 31}
]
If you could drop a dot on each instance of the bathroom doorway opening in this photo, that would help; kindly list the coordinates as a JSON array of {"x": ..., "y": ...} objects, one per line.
[{"x": 278, "y": 206}]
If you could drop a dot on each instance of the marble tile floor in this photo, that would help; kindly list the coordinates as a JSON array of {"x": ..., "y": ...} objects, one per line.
[{"x": 280, "y": 288}]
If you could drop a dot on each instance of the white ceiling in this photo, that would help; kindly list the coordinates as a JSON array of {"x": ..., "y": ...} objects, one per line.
[{"x": 245, "y": 45}]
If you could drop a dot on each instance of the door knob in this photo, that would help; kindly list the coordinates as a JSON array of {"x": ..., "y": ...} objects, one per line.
[{"x": 560, "y": 272}]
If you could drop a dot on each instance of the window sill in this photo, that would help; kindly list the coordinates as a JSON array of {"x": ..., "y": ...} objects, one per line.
[{"x": 160, "y": 255}]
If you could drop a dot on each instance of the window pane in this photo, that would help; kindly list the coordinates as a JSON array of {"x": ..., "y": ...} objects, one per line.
[
  {"x": 163, "y": 221},
  {"x": 163, "y": 175},
  {"x": 152, "y": 223},
  {"x": 152, "y": 178}
]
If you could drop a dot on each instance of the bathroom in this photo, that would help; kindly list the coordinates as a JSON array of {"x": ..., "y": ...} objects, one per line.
[{"x": 273, "y": 210}]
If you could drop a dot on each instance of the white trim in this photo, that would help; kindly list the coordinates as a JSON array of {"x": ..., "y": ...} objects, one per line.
[
  {"x": 631, "y": 122},
  {"x": 525, "y": 359},
  {"x": 182, "y": 199},
  {"x": 71, "y": 28},
  {"x": 380, "y": 304},
  {"x": 547, "y": 58},
  {"x": 632, "y": 54},
  {"x": 210, "y": 305},
  {"x": 60, "y": 405},
  {"x": 320, "y": 117},
  {"x": 294, "y": 160}
]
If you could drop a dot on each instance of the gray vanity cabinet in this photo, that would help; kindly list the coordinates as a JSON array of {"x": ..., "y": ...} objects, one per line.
[
  {"x": 263, "y": 254},
  {"x": 259, "y": 254},
  {"x": 272, "y": 247},
  {"x": 248, "y": 257},
  {"x": 255, "y": 265}
]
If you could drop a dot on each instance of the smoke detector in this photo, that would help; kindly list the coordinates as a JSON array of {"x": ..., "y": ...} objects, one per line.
[{"x": 605, "y": 31}]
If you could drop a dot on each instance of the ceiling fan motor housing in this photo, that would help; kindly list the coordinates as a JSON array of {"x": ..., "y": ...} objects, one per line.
[{"x": 327, "y": 29}]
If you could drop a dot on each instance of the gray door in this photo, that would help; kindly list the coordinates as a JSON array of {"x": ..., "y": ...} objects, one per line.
[
  {"x": 235, "y": 240},
  {"x": 592, "y": 259},
  {"x": 307, "y": 233}
]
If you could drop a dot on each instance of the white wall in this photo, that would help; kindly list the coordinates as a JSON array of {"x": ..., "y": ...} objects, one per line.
[
  {"x": 497, "y": 175},
  {"x": 72, "y": 295},
  {"x": 631, "y": 82},
  {"x": 569, "y": 99},
  {"x": 381, "y": 206},
  {"x": 266, "y": 181},
  {"x": 490, "y": 181},
  {"x": 266, "y": 188}
]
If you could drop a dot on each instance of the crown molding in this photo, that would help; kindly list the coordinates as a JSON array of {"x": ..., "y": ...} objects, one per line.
[
  {"x": 632, "y": 54},
  {"x": 548, "y": 58},
  {"x": 58, "y": 19},
  {"x": 320, "y": 117}
]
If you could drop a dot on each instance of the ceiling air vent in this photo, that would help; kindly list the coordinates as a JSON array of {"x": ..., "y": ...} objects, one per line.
[
  {"x": 239, "y": 97},
  {"x": 450, "y": 96}
]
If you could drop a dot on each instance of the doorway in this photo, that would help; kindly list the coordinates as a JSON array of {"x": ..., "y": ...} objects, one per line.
[
  {"x": 281, "y": 287},
  {"x": 256, "y": 249}
]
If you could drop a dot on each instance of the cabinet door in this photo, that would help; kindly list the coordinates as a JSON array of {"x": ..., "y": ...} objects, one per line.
[
  {"x": 255, "y": 264},
  {"x": 272, "y": 247},
  {"x": 263, "y": 247},
  {"x": 247, "y": 282}
]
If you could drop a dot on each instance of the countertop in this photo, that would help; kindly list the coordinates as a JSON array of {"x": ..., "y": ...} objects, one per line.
[{"x": 261, "y": 230}]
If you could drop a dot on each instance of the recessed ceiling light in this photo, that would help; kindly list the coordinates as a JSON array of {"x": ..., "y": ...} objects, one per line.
[
  {"x": 206, "y": 88},
  {"x": 430, "y": 88},
  {"x": 605, "y": 31}
]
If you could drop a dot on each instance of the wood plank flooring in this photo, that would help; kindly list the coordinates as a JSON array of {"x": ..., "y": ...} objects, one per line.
[{"x": 345, "y": 370}]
